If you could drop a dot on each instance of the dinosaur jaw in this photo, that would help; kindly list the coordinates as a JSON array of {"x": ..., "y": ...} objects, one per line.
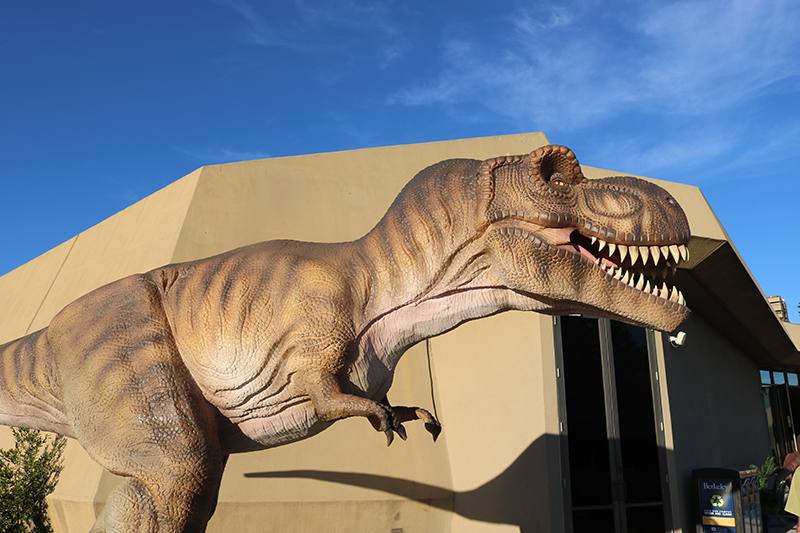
[
  {"x": 639, "y": 266},
  {"x": 588, "y": 275}
]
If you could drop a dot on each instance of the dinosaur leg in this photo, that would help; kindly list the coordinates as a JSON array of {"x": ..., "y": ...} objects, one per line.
[
  {"x": 332, "y": 404},
  {"x": 172, "y": 480},
  {"x": 135, "y": 408}
]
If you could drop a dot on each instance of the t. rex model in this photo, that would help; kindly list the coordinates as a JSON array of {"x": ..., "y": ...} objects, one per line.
[{"x": 161, "y": 375}]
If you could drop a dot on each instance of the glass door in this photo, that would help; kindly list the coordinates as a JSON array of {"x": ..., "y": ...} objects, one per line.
[{"x": 612, "y": 437}]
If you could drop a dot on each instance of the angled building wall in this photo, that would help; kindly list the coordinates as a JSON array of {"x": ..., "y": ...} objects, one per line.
[{"x": 492, "y": 382}]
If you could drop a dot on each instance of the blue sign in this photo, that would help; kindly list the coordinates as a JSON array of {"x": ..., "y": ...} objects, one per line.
[{"x": 716, "y": 497}]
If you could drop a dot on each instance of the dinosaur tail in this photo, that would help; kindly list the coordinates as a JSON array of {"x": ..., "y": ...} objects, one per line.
[{"x": 28, "y": 394}]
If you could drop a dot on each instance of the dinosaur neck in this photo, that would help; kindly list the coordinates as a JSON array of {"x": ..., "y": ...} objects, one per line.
[
  {"x": 425, "y": 243},
  {"x": 426, "y": 271}
]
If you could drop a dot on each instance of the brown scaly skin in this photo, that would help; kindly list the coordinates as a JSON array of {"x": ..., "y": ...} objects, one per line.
[{"x": 161, "y": 375}]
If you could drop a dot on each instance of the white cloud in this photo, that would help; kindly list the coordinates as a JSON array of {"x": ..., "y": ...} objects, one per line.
[
  {"x": 710, "y": 55},
  {"x": 567, "y": 69},
  {"x": 252, "y": 28},
  {"x": 312, "y": 27},
  {"x": 212, "y": 156}
]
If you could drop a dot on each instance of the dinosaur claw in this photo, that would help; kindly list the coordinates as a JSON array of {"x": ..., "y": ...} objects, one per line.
[
  {"x": 433, "y": 429},
  {"x": 389, "y": 437},
  {"x": 401, "y": 431}
]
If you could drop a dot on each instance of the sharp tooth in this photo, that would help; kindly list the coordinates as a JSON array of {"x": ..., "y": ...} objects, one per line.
[
  {"x": 676, "y": 254},
  {"x": 681, "y": 299},
  {"x": 673, "y": 297},
  {"x": 664, "y": 291},
  {"x": 623, "y": 252},
  {"x": 645, "y": 252},
  {"x": 626, "y": 277},
  {"x": 611, "y": 249},
  {"x": 634, "y": 250},
  {"x": 665, "y": 252},
  {"x": 594, "y": 240},
  {"x": 663, "y": 271},
  {"x": 647, "y": 287},
  {"x": 601, "y": 244},
  {"x": 640, "y": 283},
  {"x": 684, "y": 252},
  {"x": 656, "y": 253},
  {"x": 597, "y": 262},
  {"x": 618, "y": 274},
  {"x": 674, "y": 269}
]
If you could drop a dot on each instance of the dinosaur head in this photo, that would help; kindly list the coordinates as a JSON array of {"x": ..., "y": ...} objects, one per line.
[{"x": 600, "y": 247}]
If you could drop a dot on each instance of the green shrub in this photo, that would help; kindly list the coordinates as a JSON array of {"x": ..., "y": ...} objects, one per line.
[{"x": 28, "y": 473}]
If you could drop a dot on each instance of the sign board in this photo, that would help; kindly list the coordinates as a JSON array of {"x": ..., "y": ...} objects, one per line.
[
  {"x": 726, "y": 501},
  {"x": 717, "y": 505}
]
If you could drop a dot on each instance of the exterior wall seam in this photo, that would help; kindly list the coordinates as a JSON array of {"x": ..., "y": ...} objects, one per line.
[{"x": 52, "y": 284}]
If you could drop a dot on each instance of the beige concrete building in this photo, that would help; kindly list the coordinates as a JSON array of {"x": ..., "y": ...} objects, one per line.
[
  {"x": 549, "y": 424},
  {"x": 778, "y": 305}
]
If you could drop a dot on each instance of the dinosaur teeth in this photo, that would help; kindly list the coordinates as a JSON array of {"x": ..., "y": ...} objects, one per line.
[
  {"x": 634, "y": 251},
  {"x": 640, "y": 282},
  {"x": 655, "y": 251},
  {"x": 644, "y": 251},
  {"x": 656, "y": 261},
  {"x": 673, "y": 296},
  {"x": 649, "y": 255},
  {"x": 675, "y": 253}
]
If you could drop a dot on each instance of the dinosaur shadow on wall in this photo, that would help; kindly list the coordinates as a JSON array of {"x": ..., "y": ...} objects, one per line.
[{"x": 519, "y": 496}]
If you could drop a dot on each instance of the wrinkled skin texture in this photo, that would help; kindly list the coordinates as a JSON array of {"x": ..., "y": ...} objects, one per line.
[{"x": 161, "y": 375}]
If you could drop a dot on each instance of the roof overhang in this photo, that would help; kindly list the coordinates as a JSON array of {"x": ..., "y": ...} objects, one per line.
[{"x": 719, "y": 287}]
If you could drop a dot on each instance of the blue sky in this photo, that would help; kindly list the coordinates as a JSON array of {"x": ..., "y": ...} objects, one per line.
[{"x": 103, "y": 103}]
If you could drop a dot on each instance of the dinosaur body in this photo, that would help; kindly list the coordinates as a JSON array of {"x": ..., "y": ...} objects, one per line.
[{"x": 161, "y": 375}]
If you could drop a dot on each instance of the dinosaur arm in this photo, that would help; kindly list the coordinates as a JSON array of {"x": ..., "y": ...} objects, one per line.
[{"x": 331, "y": 404}]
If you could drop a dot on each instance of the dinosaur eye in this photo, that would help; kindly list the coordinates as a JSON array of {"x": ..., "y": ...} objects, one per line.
[{"x": 558, "y": 181}]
